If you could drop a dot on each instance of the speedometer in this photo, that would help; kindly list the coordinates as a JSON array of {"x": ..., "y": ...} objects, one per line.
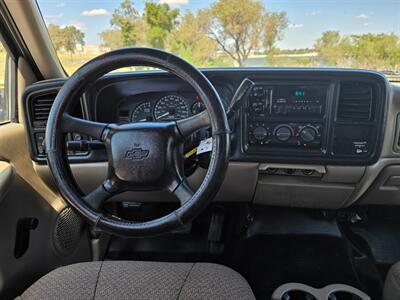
[
  {"x": 170, "y": 108},
  {"x": 142, "y": 113}
]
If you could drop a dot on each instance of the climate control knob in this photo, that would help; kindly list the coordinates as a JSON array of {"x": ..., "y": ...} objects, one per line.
[
  {"x": 283, "y": 133},
  {"x": 308, "y": 134},
  {"x": 260, "y": 133}
]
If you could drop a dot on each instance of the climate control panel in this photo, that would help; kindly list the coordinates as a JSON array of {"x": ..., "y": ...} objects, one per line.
[
  {"x": 303, "y": 135},
  {"x": 282, "y": 118}
]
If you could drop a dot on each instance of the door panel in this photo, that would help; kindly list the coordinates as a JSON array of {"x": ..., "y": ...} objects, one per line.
[{"x": 30, "y": 218}]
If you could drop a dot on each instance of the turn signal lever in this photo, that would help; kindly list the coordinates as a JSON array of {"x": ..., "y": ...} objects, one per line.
[
  {"x": 84, "y": 145},
  {"x": 238, "y": 97}
]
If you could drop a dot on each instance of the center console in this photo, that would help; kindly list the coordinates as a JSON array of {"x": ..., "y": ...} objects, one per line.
[{"x": 313, "y": 120}]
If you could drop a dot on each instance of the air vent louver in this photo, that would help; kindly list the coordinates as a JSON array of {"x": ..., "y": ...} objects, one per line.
[
  {"x": 355, "y": 102},
  {"x": 41, "y": 106}
]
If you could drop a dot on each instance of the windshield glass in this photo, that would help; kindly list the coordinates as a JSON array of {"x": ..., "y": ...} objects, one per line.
[{"x": 232, "y": 33}]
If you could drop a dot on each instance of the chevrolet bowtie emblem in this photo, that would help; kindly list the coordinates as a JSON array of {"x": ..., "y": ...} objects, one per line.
[{"x": 136, "y": 154}]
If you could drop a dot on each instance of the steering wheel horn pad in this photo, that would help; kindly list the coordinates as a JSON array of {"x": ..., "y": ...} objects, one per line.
[
  {"x": 139, "y": 153},
  {"x": 141, "y": 156}
]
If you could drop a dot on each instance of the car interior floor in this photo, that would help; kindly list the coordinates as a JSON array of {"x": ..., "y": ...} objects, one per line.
[{"x": 270, "y": 246}]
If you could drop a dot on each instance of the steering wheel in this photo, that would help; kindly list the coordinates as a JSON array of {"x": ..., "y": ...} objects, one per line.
[{"x": 145, "y": 156}]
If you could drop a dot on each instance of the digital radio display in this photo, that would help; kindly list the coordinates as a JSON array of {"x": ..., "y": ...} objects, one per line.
[{"x": 298, "y": 100}]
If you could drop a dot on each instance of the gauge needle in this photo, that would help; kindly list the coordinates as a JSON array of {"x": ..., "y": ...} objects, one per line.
[
  {"x": 143, "y": 120},
  {"x": 163, "y": 115}
]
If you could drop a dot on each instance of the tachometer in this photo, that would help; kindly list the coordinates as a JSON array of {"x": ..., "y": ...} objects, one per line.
[
  {"x": 170, "y": 108},
  {"x": 142, "y": 113}
]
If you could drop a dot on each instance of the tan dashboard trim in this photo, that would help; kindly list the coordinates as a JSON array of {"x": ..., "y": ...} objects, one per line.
[
  {"x": 239, "y": 184},
  {"x": 14, "y": 150}
]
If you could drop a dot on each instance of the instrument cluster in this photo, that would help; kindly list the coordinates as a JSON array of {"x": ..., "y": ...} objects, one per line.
[{"x": 159, "y": 107}]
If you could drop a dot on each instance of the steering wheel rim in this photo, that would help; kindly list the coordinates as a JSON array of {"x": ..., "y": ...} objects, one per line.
[{"x": 170, "y": 135}]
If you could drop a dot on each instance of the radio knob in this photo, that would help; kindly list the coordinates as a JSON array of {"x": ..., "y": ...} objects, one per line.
[
  {"x": 260, "y": 133},
  {"x": 308, "y": 134},
  {"x": 283, "y": 133}
]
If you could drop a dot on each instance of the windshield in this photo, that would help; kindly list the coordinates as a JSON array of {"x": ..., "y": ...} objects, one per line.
[{"x": 232, "y": 33}]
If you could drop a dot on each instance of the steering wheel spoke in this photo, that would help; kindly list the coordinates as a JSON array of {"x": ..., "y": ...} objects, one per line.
[
  {"x": 85, "y": 127},
  {"x": 189, "y": 125},
  {"x": 183, "y": 192},
  {"x": 99, "y": 195}
]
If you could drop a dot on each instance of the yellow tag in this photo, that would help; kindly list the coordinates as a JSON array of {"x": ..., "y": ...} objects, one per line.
[{"x": 191, "y": 152}]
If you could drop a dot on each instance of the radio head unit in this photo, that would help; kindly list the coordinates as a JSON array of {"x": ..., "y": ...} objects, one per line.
[
  {"x": 286, "y": 116},
  {"x": 287, "y": 100},
  {"x": 298, "y": 100}
]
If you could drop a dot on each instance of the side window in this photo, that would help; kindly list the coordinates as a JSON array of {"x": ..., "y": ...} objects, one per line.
[{"x": 5, "y": 108}]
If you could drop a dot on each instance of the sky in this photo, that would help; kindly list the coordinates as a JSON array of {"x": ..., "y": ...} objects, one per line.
[{"x": 307, "y": 18}]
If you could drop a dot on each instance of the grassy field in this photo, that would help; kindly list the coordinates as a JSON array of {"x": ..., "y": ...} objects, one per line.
[{"x": 74, "y": 61}]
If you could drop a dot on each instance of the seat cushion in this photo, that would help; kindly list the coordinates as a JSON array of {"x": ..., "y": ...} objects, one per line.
[
  {"x": 391, "y": 290},
  {"x": 140, "y": 280}
]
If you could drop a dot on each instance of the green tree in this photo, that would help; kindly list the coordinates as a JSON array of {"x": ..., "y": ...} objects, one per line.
[
  {"x": 191, "y": 41},
  {"x": 126, "y": 19},
  {"x": 66, "y": 38},
  {"x": 369, "y": 51},
  {"x": 73, "y": 38},
  {"x": 274, "y": 25},
  {"x": 160, "y": 20},
  {"x": 376, "y": 51},
  {"x": 57, "y": 36},
  {"x": 241, "y": 27},
  {"x": 111, "y": 39},
  {"x": 333, "y": 49}
]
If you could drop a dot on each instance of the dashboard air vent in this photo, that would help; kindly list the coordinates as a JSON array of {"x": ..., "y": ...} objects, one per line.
[
  {"x": 355, "y": 102},
  {"x": 41, "y": 106}
]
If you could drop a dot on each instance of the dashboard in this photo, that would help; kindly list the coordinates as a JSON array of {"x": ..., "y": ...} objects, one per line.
[{"x": 297, "y": 131}]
